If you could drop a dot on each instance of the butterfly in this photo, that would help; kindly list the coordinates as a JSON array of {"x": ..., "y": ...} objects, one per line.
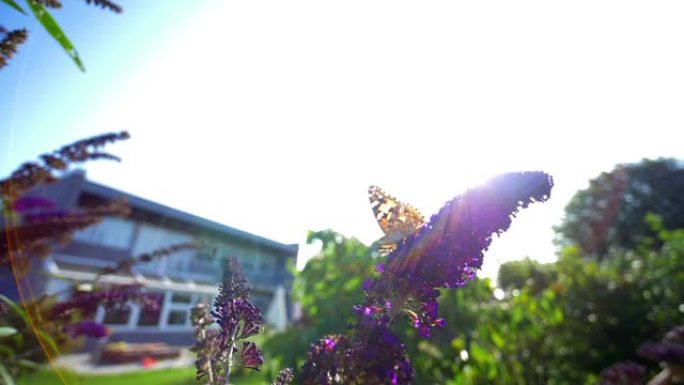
[{"x": 396, "y": 219}]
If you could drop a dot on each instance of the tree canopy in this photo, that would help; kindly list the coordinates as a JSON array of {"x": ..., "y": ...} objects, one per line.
[{"x": 610, "y": 212}]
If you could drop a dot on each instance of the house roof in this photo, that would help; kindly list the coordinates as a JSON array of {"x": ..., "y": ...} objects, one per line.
[{"x": 148, "y": 206}]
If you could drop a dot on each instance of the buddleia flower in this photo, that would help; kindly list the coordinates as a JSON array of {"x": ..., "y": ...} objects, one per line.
[
  {"x": 623, "y": 373},
  {"x": 236, "y": 319},
  {"x": 447, "y": 251},
  {"x": 285, "y": 377}
]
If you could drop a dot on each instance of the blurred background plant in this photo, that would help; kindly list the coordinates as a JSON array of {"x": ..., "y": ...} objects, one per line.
[{"x": 41, "y": 326}]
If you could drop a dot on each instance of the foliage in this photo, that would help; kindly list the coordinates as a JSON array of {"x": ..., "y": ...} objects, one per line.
[
  {"x": 327, "y": 289},
  {"x": 20, "y": 349},
  {"x": 39, "y": 10},
  {"x": 169, "y": 376},
  {"x": 610, "y": 212},
  {"x": 592, "y": 315},
  {"x": 630, "y": 297},
  {"x": 526, "y": 273}
]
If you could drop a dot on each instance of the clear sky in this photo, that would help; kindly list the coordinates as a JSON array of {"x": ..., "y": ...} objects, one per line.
[{"x": 275, "y": 116}]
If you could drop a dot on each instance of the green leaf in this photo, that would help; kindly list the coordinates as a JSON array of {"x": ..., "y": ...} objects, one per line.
[
  {"x": 498, "y": 341},
  {"x": 6, "y": 353},
  {"x": 24, "y": 363},
  {"x": 18, "y": 340},
  {"x": 7, "y": 331},
  {"x": 54, "y": 29},
  {"x": 5, "y": 375},
  {"x": 14, "y": 5},
  {"x": 47, "y": 339},
  {"x": 18, "y": 310}
]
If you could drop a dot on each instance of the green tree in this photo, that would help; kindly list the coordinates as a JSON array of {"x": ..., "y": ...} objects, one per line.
[
  {"x": 562, "y": 323},
  {"x": 610, "y": 212},
  {"x": 613, "y": 306},
  {"x": 327, "y": 289},
  {"x": 526, "y": 273}
]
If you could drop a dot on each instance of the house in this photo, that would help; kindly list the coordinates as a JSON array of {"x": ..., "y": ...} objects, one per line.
[{"x": 181, "y": 280}]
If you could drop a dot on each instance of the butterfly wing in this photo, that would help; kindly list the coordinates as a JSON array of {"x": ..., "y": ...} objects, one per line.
[{"x": 396, "y": 219}]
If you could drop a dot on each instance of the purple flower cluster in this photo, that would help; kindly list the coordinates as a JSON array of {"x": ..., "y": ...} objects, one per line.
[
  {"x": 285, "y": 377},
  {"x": 27, "y": 203},
  {"x": 113, "y": 297},
  {"x": 372, "y": 355},
  {"x": 235, "y": 313},
  {"x": 237, "y": 319},
  {"x": 250, "y": 356},
  {"x": 87, "y": 328},
  {"x": 448, "y": 250},
  {"x": 669, "y": 350},
  {"x": 623, "y": 373}
]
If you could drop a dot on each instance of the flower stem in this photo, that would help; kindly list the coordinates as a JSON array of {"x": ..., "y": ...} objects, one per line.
[
  {"x": 229, "y": 362},
  {"x": 210, "y": 372}
]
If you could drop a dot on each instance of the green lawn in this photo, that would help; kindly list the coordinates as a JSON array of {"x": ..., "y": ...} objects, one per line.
[{"x": 185, "y": 376}]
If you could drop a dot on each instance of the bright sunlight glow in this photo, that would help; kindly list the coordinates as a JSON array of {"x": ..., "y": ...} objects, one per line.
[{"x": 274, "y": 117}]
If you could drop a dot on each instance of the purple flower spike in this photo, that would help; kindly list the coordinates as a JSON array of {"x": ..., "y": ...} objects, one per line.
[
  {"x": 87, "y": 328},
  {"x": 328, "y": 344},
  {"x": 367, "y": 284},
  {"x": 448, "y": 250},
  {"x": 237, "y": 319},
  {"x": 234, "y": 312},
  {"x": 112, "y": 298},
  {"x": 663, "y": 351},
  {"x": 27, "y": 203},
  {"x": 424, "y": 331},
  {"x": 670, "y": 349},
  {"x": 430, "y": 308},
  {"x": 285, "y": 377},
  {"x": 372, "y": 356},
  {"x": 623, "y": 373}
]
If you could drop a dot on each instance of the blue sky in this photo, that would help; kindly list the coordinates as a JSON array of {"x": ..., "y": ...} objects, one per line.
[{"x": 274, "y": 117}]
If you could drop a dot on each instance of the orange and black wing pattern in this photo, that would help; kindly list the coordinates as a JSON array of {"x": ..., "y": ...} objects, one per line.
[{"x": 396, "y": 219}]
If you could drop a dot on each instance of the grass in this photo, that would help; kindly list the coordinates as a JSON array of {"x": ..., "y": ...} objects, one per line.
[{"x": 184, "y": 376}]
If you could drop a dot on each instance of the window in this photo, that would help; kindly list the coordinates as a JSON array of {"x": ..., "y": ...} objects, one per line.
[
  {"x": 268, "y": 265},
  {"x": 204, "y": 298},
  {"x": 151, "y": 238},
  {"x": 177, "y": 317},
  {"x": 248, "y": 263},
  {"x": 151, "y": 317},
  {"x": 111, "y": 232},
  {"x": 181, "y": 298},
  {"x": 179, "y": 305},
  {"x": 117, "y": 316}
]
